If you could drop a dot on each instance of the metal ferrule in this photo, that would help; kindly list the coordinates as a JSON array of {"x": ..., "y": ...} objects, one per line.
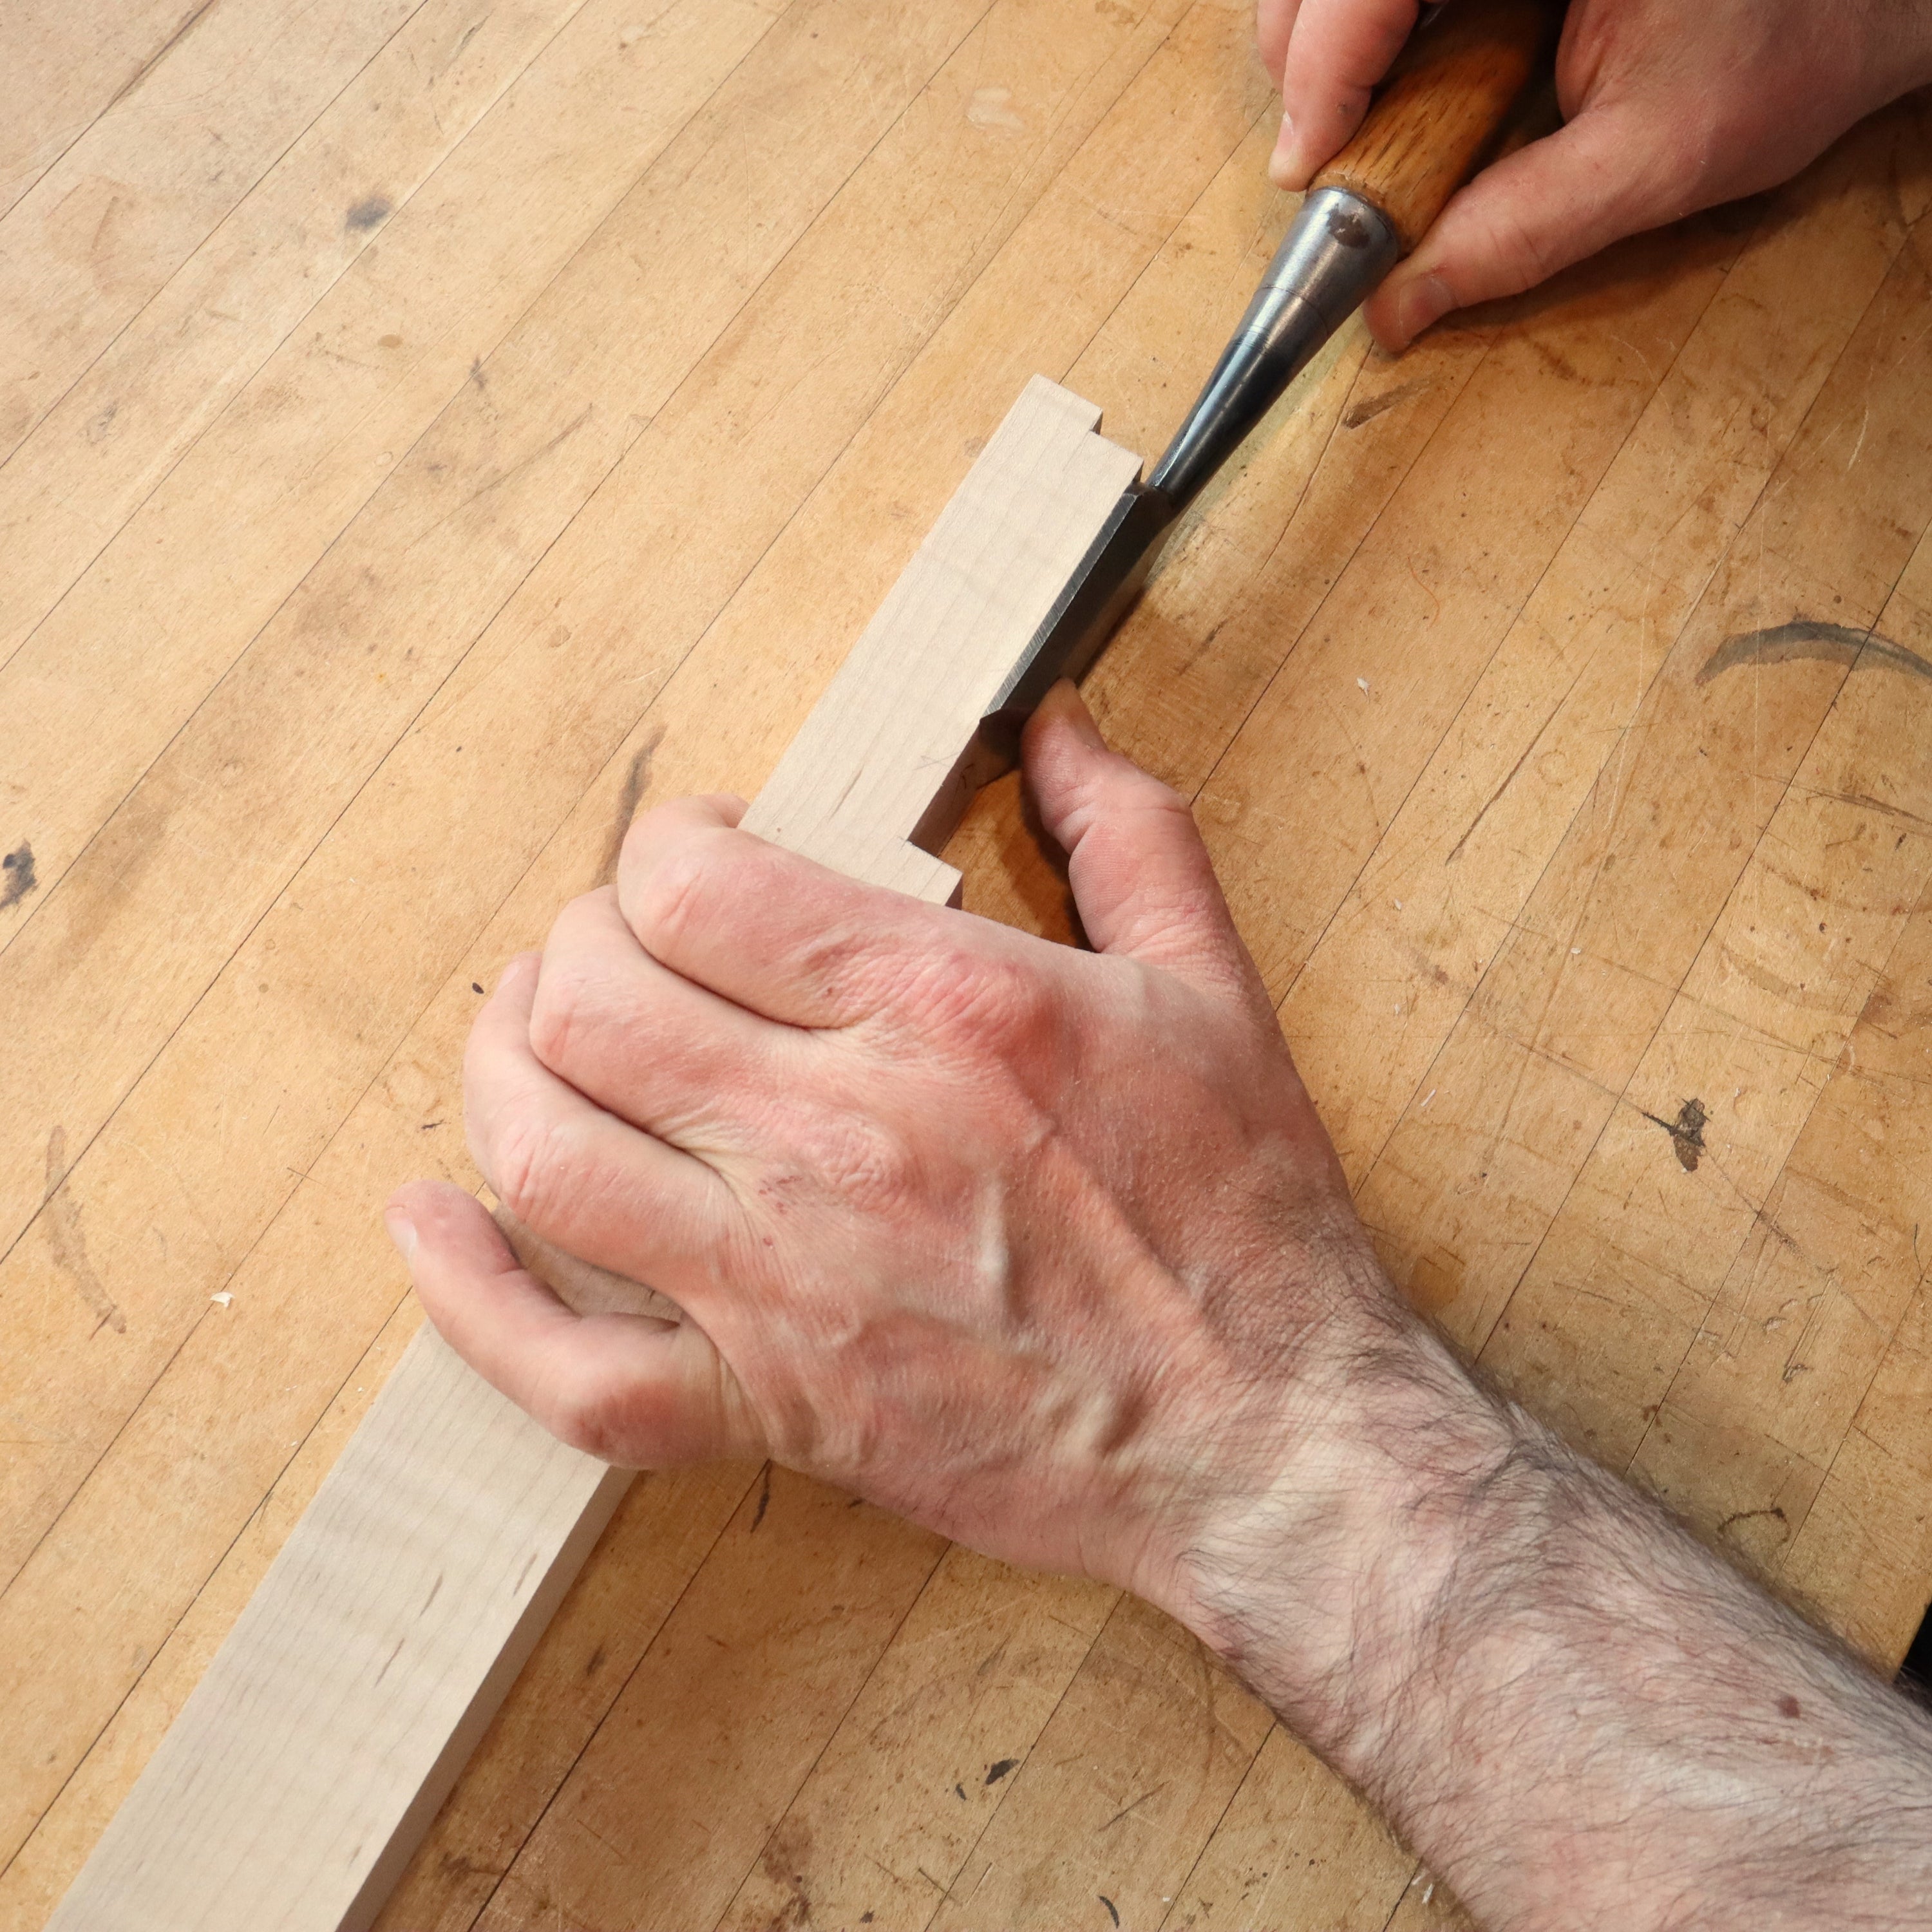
[{"x": 1329, "y": 262}]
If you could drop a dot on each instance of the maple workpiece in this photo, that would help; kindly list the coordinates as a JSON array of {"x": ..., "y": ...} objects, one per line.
[{"x": 433, "y": 429}]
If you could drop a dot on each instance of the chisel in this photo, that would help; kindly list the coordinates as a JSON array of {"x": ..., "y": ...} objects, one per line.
[{"x": 1460, "y": 93}]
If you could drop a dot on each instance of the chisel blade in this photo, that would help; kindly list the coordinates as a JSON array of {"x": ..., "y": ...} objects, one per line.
[{"x": 1097, "y": 595}]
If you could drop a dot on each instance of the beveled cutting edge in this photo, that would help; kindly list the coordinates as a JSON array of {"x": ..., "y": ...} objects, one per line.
[{"x": 1336, "y": 250}]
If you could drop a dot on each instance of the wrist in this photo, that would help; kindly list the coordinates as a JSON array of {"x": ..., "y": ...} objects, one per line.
[{"x": 1325, "y": 1583}]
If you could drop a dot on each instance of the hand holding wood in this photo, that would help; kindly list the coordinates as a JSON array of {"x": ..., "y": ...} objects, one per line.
[{"x": 999, "y": 1234}]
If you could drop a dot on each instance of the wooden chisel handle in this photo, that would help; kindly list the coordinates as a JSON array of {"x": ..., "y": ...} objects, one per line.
[{"x": 1445, "y": 109}]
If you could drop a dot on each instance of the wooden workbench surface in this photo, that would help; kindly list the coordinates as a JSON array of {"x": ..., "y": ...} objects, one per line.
[{"x": 433, "y": 427}]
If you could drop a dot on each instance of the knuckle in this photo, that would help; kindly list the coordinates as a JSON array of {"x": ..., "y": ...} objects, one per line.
[
  {"x": 869, "y": 1163},
  {"x": 559, "y": 1016},
  {"x": 576, "y": 1409},
  {"x": 842, "y": 965},
  {"x": 531, "y": 1168},
  {"x": 994, "y": 1002},
  {"x": 846, "y": 1155},
  {"x": 673, "y": 892}
]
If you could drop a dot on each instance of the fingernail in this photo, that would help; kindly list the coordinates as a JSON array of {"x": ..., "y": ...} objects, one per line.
[
  {"x": 1426, "y": 300},
  {"x": 1279, "y": 171},
  {"x": 402, "y": 1232}
]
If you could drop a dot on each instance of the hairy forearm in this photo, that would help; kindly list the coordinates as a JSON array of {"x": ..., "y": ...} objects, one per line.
[{"x": 1575, "y": 1713}]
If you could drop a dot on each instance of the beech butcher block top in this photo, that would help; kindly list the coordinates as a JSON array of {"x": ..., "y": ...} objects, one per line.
[{"x": 432, "y": 430}]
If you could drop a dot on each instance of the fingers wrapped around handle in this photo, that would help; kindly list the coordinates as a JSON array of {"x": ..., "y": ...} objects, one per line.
[{"x": 1444, "y": 109}]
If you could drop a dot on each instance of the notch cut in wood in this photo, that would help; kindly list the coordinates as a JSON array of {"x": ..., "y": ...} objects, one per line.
[{"x": 305, "y": 1767}]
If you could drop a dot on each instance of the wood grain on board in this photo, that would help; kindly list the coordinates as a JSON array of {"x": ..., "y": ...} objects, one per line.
[{"x": 336, "y": 663}]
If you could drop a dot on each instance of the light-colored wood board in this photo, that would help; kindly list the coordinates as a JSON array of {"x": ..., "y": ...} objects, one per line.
[
  {"x": 334, "y": 1719},
  {"x": 666, "y": 1527},
  {"x": 892, "y": 752},
  {"x": 304, "y": 1770},
  {"x": 103, "y": 425},
  {"x": 32, "y": 1882}
]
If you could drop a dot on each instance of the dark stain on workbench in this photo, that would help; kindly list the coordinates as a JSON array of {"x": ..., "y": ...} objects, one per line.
[
  {"x": 788, "y": 1853},
  {"x": 1753, "y": 1515},
  {"x": 1556, "y": 361},
  {"x": 1804, "y": 638},
  {"x": 368, "y": 213},
  {"x": 1686, "y": 1132},
  {"x": 635, "y": 780},
  {"x": 18, "y": 868},
  {"x": 1000, "y": 1770},
  {"x": 67, "y": 1245}
]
